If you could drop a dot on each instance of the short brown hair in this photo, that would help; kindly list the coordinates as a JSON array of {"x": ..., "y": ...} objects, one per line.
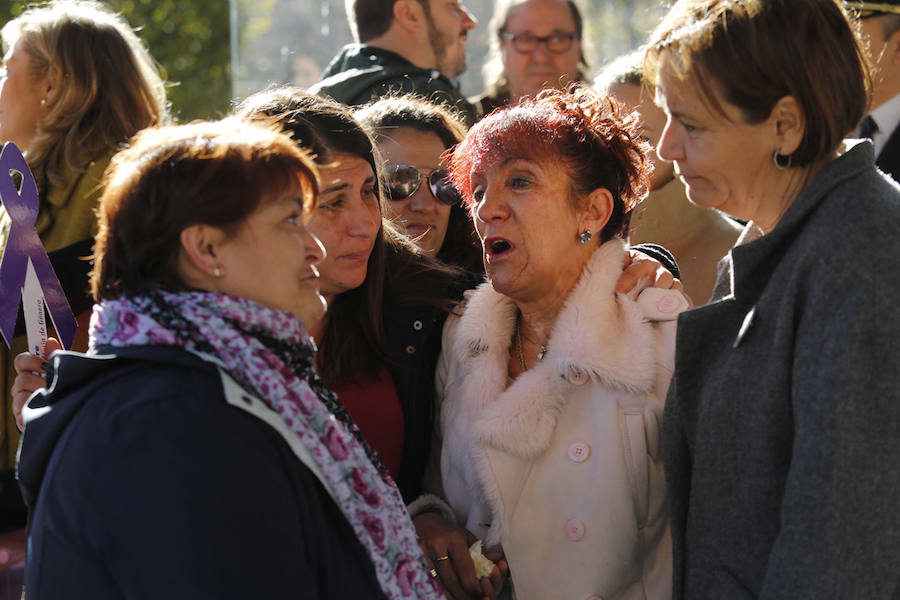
[
  {"x": 752, "y": 53},
  {"x": 371, "y": 18},
  {"x": 212, "y": 173}
]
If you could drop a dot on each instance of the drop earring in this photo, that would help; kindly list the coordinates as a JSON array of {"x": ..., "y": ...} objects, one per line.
[
  {"x": 585, "y": 237},
  {"x": 217, "y": 272}
]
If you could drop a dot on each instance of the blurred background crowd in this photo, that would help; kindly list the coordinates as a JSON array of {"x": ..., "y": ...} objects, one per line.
[{"x": 200, "y": 44}]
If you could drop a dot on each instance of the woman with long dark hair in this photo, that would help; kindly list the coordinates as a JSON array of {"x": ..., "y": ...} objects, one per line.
[
  {"x": 387, "y": 299},
  {"x": 413, "y": 135}
]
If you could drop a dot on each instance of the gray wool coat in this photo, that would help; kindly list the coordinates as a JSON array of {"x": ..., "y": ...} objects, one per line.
[{"x": 781, "y": 436}]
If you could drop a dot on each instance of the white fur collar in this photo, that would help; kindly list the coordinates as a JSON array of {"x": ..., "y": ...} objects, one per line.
[{"x": 599, "y": 336}]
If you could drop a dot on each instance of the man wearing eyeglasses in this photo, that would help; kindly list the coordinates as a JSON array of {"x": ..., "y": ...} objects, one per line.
[
  {"x": 536, "y": 43},
  {"x": 403, "y": 46},
  {"x": 880, "y": 26}
]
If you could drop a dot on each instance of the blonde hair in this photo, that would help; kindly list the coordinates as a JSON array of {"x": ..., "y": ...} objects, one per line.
[{"x": 105, "y": 87}]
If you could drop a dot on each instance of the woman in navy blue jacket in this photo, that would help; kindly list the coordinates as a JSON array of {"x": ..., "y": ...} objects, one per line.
[{"x": 194, "y": 452}]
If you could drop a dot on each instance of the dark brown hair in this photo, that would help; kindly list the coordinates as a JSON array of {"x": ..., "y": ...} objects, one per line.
[
  {"x": 627, "y": 69},
  {"x": 461, "y": 247},
  {"x": 212, "y": 173},
  {"x": 752, "y": 53},
  {"x": 371, "y": 18},
  {"x": 353, "y": 342},
  {"x": 591, "y": 134}
]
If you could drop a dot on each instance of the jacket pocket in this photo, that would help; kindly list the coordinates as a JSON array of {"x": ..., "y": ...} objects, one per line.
[{"x": 634, "y": 436}]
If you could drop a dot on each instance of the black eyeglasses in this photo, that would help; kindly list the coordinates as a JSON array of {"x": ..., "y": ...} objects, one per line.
[
  {"x": 402, "y": 181},
  {"x": 557, "y": 42}
]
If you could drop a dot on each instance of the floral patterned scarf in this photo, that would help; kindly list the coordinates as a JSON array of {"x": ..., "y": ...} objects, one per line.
[{"x": 269, "y": 352}]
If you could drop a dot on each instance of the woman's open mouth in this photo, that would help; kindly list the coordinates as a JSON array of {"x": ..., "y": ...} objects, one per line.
[{"x": 497, "y": 247}]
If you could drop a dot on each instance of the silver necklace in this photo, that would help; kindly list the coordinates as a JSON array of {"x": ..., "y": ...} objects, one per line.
[{"x": 519, "y": 335}]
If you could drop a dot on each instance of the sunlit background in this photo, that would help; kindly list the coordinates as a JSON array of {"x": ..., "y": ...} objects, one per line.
[{"x": 200, "y": 43}]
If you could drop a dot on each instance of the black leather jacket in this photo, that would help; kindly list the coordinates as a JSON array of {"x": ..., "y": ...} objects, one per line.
[
  {"x": 361, "y": 73},
  {"x": 414, "y": 336}
]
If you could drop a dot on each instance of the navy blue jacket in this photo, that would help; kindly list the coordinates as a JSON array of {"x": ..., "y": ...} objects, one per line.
[{"x": 145, "y": 481}]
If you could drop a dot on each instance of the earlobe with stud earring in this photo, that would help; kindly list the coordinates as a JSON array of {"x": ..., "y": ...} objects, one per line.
[{"x": 585, "y": 237}]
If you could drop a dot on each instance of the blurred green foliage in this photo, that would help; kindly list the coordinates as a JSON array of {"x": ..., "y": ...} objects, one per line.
[{"x": 189, "y": 39}]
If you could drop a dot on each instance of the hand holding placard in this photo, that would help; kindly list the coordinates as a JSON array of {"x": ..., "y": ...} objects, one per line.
[{"x": 25, "y": 270}]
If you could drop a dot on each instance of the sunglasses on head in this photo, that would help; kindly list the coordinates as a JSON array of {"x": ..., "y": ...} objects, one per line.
[{"x": 402, "y": 181}]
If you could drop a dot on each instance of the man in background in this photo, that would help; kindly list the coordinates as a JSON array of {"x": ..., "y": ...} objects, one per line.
[
  {"x": 402, "y": 46},
  {"x": 534, "y": 44},
  {"x": 880, "y": 28}
]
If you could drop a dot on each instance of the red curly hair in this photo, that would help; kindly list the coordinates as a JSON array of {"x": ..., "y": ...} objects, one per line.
[{"x": 590, "y": 133}]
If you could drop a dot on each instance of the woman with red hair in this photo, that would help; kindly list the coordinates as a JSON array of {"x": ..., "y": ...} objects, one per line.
[{"x": 552, "y": 384}]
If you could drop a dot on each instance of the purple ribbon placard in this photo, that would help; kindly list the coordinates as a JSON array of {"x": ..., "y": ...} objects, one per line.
[{"x": 24, "y": 258}]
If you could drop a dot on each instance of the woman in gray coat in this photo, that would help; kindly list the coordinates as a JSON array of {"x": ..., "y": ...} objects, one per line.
[{"x": 781, "y": 427}]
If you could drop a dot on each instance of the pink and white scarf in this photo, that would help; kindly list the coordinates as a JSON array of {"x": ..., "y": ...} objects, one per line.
[{"x": 269, "y": 352}]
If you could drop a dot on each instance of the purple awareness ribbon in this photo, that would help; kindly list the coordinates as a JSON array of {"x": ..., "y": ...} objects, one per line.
[{"x": 22, "y": 245}]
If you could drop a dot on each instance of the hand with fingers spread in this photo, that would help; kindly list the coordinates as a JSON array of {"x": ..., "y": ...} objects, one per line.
[
  {"x": 30, "y": 371},
  {"x": 446, "y": 546}
]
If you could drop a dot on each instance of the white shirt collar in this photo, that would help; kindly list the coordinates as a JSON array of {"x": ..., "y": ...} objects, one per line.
[{"x": 887, "y": 117}]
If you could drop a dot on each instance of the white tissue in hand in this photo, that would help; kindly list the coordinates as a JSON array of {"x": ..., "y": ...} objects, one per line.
[{"x": 483, "y": 565}]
